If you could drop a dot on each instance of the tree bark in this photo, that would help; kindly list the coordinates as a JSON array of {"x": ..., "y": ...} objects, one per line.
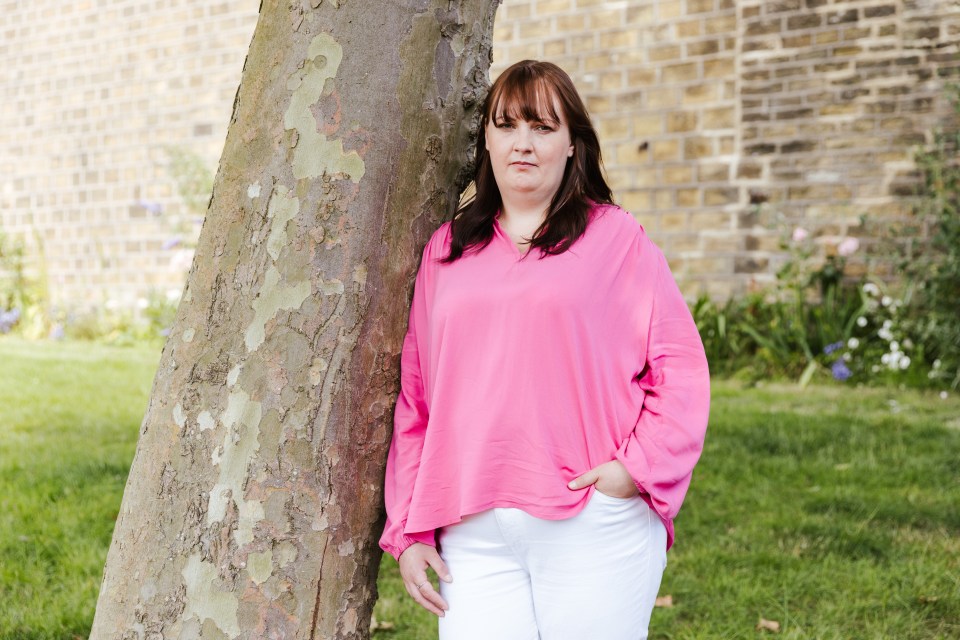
[{"x": 254, "y": 502}]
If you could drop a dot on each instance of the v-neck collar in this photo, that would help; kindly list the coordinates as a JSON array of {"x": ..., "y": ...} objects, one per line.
[{"x": 503, "y": 234}]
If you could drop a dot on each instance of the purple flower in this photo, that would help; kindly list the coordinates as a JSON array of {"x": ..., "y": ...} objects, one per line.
[
  {"x": 8, "y": 319},
  {"x": 830, "y": 348},
  {"x": 56, "y": 332},
  {"x": 170, "y": 243},
  {"x": 153, "y": 207},
  {"x": 840, "y": 370}
]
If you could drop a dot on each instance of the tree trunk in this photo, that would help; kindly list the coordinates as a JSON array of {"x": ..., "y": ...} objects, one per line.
[{"x": 254, "y": 502}]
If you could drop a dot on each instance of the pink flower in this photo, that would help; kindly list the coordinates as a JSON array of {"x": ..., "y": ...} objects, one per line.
[
  {"x": 848, "y": 247},
  {"x": 800, "y": 234}
]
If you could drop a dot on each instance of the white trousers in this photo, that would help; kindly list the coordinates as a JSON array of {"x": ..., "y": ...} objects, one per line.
[{"x": 594, "y": 576}]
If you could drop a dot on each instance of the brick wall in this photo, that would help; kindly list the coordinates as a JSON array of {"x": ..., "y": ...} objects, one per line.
[
  {"x": 91, "y": 94},
  {"x": 717, "y": 118},
  {"x": 720, "y": 118}
]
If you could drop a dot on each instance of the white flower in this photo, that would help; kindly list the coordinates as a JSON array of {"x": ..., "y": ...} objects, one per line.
[
  {"x": 173, "y": 295},
  {"x": 886, "y": 300},
  {"x": 853, "y": 343},
  {"x": 885, "y": 334},
  {"x": 871, "y": 289},
  {"x": 943, "y": 395},
  {"x": 848, "y": 247},
  {"x": 800, "y": 234},
  {"x": 885, "y": 358},
  {"x": 894, "y": 346},
  {"x": 142, "y": 303},
  {"x": 112, "y": 304},
  {"x": 937, "y": 363},
  {"x": 887, "y": 324},
  {"x": 907, "y": 343},
  {"x": 875, "y": 368},
  {"x": 847, "y": 357},
  {"x": 905, "y": 362},
  {"x": 861, "y": 321}
]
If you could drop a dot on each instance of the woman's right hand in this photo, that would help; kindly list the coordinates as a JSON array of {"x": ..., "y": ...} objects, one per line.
[{"x": 413, "y": 569}]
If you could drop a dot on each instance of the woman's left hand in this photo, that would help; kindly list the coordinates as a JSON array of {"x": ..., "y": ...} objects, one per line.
[{"x": 611, "y": 478}]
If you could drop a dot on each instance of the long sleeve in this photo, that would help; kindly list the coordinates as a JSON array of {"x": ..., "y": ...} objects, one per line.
[
  {"x": 409, "y": 425},
  {"x": 666, "y": 442}
]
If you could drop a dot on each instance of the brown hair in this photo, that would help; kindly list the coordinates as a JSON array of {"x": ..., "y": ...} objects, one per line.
[{"x": 526, "y": 90}]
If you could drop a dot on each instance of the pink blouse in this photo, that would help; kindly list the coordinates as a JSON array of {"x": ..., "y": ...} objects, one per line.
[{"x": 518, "y": 374}]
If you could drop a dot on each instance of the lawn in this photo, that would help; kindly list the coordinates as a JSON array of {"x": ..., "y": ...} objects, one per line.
[{"x": 832, "y": 511}]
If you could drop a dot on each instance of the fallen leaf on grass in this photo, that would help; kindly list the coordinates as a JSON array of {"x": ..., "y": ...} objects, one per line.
[
  {"x": 664, "y": 601},
  {"x": 377, "y": 625},
  {"x": 768, "y": 625}
]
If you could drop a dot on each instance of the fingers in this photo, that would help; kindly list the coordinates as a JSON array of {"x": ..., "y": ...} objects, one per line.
[
  {"x": 585, "y": 480},
  {"x": 428, "y": 597},
  {"x": 439, "y": 566},
  {"x": 413, "y": 568}
]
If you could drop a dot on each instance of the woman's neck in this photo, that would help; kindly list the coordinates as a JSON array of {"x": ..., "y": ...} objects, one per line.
[{"x": 524, "y": 214}]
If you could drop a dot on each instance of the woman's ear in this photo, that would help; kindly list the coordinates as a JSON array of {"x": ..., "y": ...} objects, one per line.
[{"x": 570, "y": 151}]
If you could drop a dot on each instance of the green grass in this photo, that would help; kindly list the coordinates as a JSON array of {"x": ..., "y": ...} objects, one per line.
[{"x": 834, "y": 511}]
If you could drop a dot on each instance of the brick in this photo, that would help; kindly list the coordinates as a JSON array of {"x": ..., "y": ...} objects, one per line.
[
  {"x": 611, "y": 81},
  {"x": 778, "y": 6},
  {"x": 662, "y": 98},
  {"x": 568, "y": 23},
  {"x": 826, "y": 37},
  {"x": 641, "y": 15},
  {"x": 515, "y": 11},
  {"x": 648, "y": 125},
  {"x": 689, "y": 28},
  {"x": 641, "y": 77},
  {"x": 720, "y": 24},
  {"x": 688, "y": 197},
  {"x": 554, "y": 48},
  {"x": 662, "y": 199},
  {"x": 749, "y": 171},
  {"x": 613, "y": 127},
  {"x": 620, "y": 39},
  {"x": 535, "y": 30},
  {"x": 678, "y": 121},
  {"x": 606, "y": 19},
  {"x": 702, "y": 48},
  {"x": 583, "y": 44},
  {"x": 795, "y": 42},
  {"x": 636, "y": 201},
  {"x": 664, "y": 150},
  {"x": 762, "y": 27},
  {"x": 695, "y": 147},
  {"x": 719, "y": 68},
  {"x": 700, "y": 6},
  {"x": 668, "y": 9},
  {"x": 804, "y": 21},
  {"x": 684, "y": 72},
  {"x": 674, "y": 222},
  {"x": 880, "y": 11},
  {"x": 677, "y": 174},
  {"x": 700, "y": 93},
  {"x": 843, "y": 17},
  {"x": 664, "y": 52},
  {"x": 630, "y": 153},
  {"x": 719, "y": 118},
  {"x": 602, "y": 61},
  {"x": 713, "y": 172}
]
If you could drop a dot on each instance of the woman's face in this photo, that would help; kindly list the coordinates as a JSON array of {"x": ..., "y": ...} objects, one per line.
[{"x": 528, "y": 157}]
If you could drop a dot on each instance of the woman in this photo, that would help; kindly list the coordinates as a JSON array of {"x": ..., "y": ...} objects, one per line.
[{"x": 554, "y": 391}]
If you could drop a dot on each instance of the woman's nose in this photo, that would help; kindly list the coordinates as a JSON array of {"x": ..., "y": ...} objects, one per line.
[{"x": 523, "y": 138}]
